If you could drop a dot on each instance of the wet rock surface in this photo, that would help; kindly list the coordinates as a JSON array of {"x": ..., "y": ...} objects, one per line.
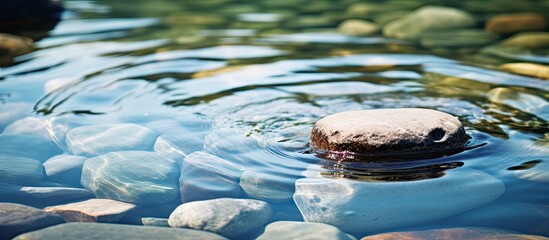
[
  {"x": 96, "y": 140},
  {"x": 91, "y": 231},
  {"x": 358, "y": 27},
  {"x": 92, "y": 210},
  {"x": 157, "y": 222},
  {"x": 302, "y": 231},
  {"x": 516, "y": 22},
  {"x": 528, "y": 69},
  {"x": 529, "y": 40},
  {"x": 427, "y": 18},
  {"x": 132, "y": 176},
  {"x": 20, "y": 171},
  {"x": 454, "y": 233},
  {"x": 65, "y": 169},
  {"x": 349, "y": 204},
  {"x": 390, "y": 132},
  {"x": 27, "y": 146},
  {"x": 229, "y": 217},
  {"x": 16, "y": 219}
]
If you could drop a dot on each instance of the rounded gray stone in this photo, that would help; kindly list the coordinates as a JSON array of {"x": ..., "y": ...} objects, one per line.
[
  {"x": 16, "y": 219},
  {"x": 303, "y": 231},
  {"x": 65, "y": 169},
  {"x": 404, "y": 132},
  {"x": 229, "y": 217},
  {"x": 132, "y": 176},
  {"x": 93, "y": 231},
  {"x": 21, "y": 171},
  {"x": 101, "y": 139}
]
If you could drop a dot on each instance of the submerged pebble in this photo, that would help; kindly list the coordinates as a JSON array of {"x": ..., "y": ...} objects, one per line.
[
  {"x": 358, "y": 27},
  {"x": 229, "y": 217},
  {"x": 362, "y": 207},
  {"x": 27, "y": 146},
  {"x": 303, "y": 231},
  {"x": 269, "y": 187},
  {"x": 456, "y": 38},
  {"x": 132, "y": 176},
  {"x": 390, "y": 132},
  {"x": 529, "y": 40},
  {"x": 427, "y": 18},
  {"x": 65, "y": 169},
  {"x": 516, "y": 22},
  {"x": 21, "y": 171},
  {"x": 92, "y": 210},
  {"x": 156, "y": 222},
  {"x": 12, "y": 111},
  {"x": 101, "y": 139},
  {"x": 16, "y": 219},
  {"x": 205, "y": 176},
  {"x": 528, "y": 69},
  {"x": 453, "y": 233},
  {"x": 90, "y": 231}
]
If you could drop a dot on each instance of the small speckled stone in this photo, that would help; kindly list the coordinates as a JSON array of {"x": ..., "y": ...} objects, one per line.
[
  {"x": 390, "y": 132},
  {"x": 93, "y": 231},
  {"x": 92, "y": 210},
  {"x": 229, "y": 217},
  {"x": 16, "y": 219},
  {"x": 303, "y": 231}
]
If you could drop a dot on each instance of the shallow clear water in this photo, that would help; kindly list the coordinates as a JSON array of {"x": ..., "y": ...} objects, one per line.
[{"x": 246, "y": 81}]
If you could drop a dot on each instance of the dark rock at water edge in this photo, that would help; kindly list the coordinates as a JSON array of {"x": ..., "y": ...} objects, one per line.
[
  {"x": 132, "y": 176},
  {"x": 406, "y": 132},
  {"x": 232, "y": 218},
  {"x": 93, "y": 231},
  {"x": 16, "y": 219}
]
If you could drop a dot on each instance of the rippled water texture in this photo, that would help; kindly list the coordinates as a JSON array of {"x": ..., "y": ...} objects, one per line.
[{"x": 227, "y": 92}]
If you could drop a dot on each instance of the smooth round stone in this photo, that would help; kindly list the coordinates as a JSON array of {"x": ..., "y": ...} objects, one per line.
[
  {"x": 93, "y": 231},
  {"x": 358, "y": 27},
  {"x": 132, "y": 176},
  {"x": 230, "y": 217},
  {"x": 27, "y": 146},
  {"x": 20, "y": 171},
  {"x": 427, "y": 18},
  {"x": 178, "y": 143},
  {"x": 12, "y": 111},
  {"x": 268, "y": 187},
  {"x": 456, "y": 38},
  {"x": 29, "y": 126},
  {"x": 16, "y": 219},
  {"x": 303, "y": 231},
  {"x": 363, "y": 207},
  {"x": 454, "y": 233},
  {"x": 527, "y": 69},
  {"x": 205, "y": 176},
  {"x": 391, "y": 132},
  {"x": 65, "y": 169},
  {"x": 105, "y": 138},
  {"x": 529, "y": 40},
  {"x": 516, "y": 22},
  {"x": 92, "y": 210}
]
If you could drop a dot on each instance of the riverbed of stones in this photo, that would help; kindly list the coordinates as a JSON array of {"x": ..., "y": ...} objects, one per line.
[{"x": 147, "y": 180}]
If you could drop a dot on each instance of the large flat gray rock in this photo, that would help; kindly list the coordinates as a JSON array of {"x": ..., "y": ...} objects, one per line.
[
  {"x": 101, "y": 139},
  {"x": 303, "y": 231},
  {"x": 132, "y": 176},
  {"x": 92, "y": 210},
  {"x": 65, "y": 169},
  {"x": 94, "y": 231},
  {"x": 399, "y": 132},
  {"x": 362, "y": 207},
  {"x": 16, "y": 219},
  {"x": 205, "y": 176},
  {"x": 230, "y": 217}
]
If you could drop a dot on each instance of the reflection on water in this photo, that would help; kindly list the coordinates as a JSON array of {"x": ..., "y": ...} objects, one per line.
[{"x": 230, "y": 90}]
